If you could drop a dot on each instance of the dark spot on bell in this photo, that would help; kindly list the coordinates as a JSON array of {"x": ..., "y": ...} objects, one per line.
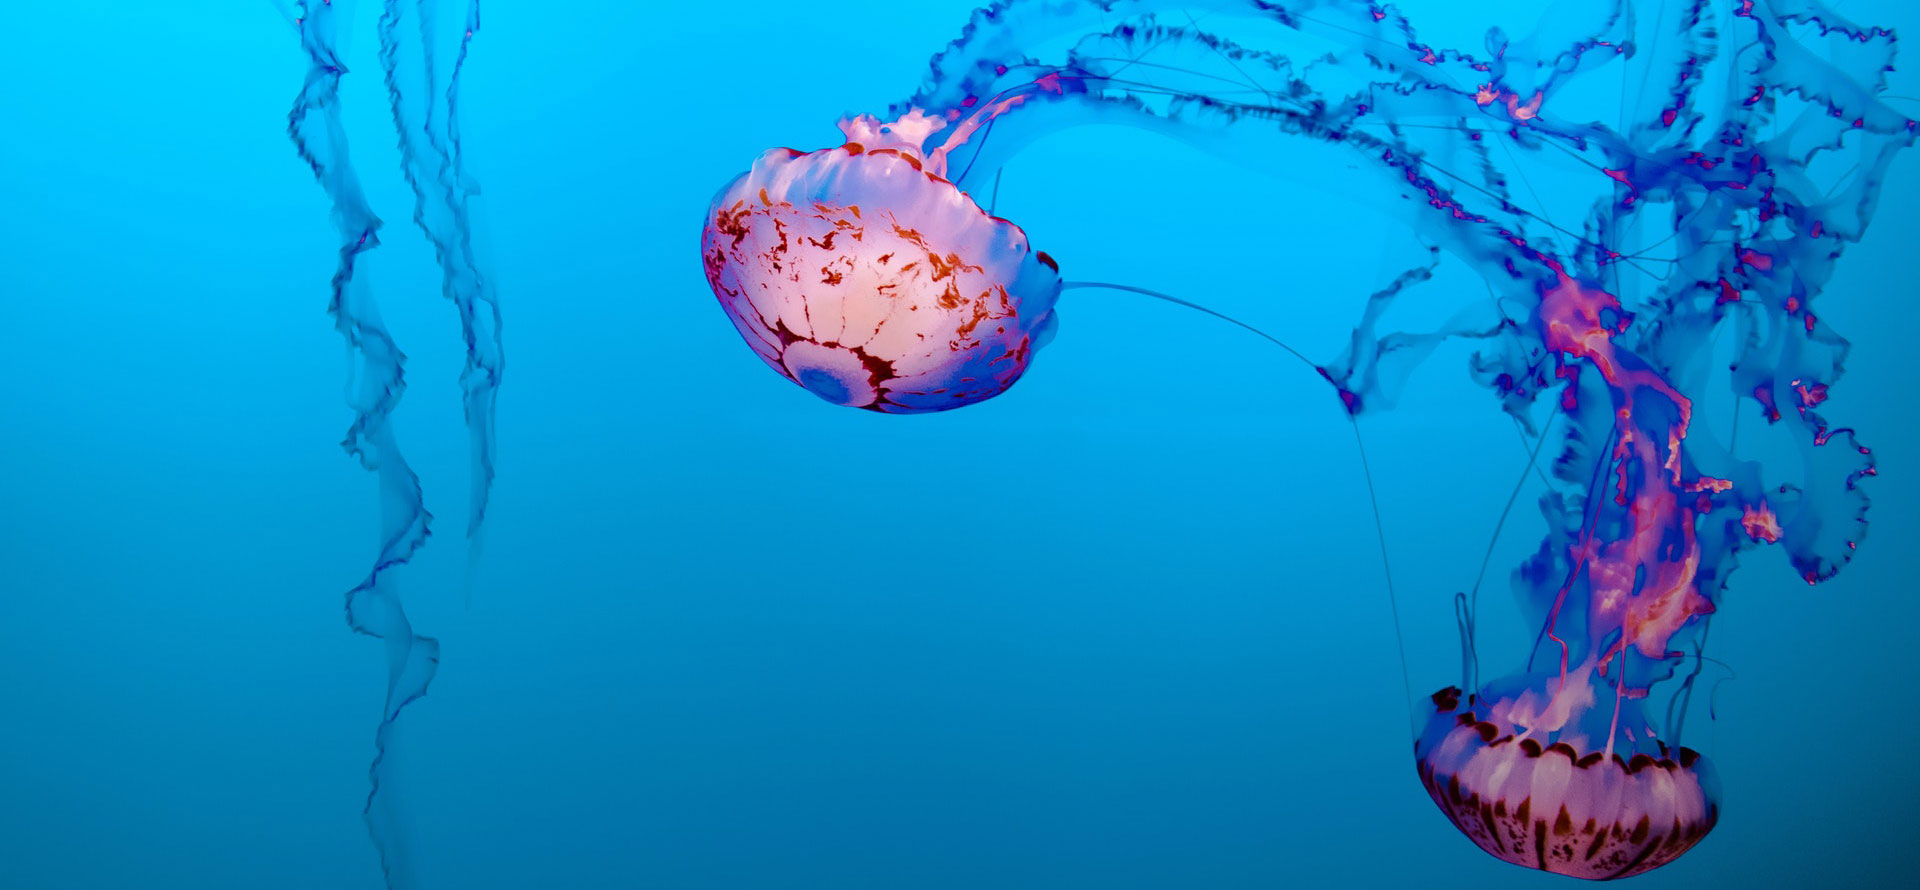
[
  {"x": 1589, "y": 760},
  {"x": 1687, "y": 757},
  {"x": 1564, "y": 748},
  {"x": 1045, "y": 260},
  {"x": 1638, "y": 763},
  {"x": 1531, "y": 747}
]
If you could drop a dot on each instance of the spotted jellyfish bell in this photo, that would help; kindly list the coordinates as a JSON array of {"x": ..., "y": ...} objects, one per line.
[{"x": 862, "y": 274}]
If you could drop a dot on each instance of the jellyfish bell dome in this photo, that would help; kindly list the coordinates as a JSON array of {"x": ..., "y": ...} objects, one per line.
[
  {"x": 1525, "y": 769},
  {"x": 863, "y": 275}
]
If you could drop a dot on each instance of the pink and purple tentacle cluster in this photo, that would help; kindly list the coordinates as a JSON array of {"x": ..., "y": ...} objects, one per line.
[
  {"x": 1737, "y": 148},
  {"x": 1727, "y": 181}
]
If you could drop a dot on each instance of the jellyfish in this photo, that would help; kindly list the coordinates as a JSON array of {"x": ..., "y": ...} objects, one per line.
[
  {"x": 430, "y": 157},
  {"x": 921, "y": 302},
  {"x": 1744, "y": 154}
]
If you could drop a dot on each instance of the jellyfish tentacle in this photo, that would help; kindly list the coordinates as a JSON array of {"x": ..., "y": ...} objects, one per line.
[
  {"x": 1463, "y": 619},
  {"x": 1168, "y": 298},
  {"x": 373, "y": 607},
  {"x": 1386, "y": 569},
  {"x": 432, "y": 160},
  {"x": 1467, "y": 604},
  {"x": 1366, "y": 468}
]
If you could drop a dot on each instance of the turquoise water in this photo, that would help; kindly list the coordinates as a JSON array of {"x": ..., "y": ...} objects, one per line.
[{"x": 1123, "y": 627}]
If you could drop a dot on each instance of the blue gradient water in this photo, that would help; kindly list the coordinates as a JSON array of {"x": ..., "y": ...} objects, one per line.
[{"x": 1113, "y": 629}]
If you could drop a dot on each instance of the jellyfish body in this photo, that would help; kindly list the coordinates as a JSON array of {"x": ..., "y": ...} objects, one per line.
[
  {"x": 863, "y": 275},
  {"x": 1561, "y": 770},
  {"x": 1543, "y": 772}
]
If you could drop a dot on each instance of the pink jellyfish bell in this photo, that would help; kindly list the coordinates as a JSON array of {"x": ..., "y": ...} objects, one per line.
[
  {"x": 1557, "y": 773},
  {"x": 862, "y": 274}
]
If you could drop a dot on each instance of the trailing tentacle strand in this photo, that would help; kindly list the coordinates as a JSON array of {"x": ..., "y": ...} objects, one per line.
[
  {"x": 432, "y": 159},
  {"x": 373, "y": 606}
]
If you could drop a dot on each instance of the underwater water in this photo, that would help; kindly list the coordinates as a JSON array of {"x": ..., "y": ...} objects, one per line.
[{"x": 1124, "y": 626}]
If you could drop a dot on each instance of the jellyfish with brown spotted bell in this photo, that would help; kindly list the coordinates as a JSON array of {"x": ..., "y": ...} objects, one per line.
[{"x": 862, "y": 274}]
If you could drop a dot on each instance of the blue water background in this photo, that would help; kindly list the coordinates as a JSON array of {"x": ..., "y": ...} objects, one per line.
[{"x": 1123, "y": 627}]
